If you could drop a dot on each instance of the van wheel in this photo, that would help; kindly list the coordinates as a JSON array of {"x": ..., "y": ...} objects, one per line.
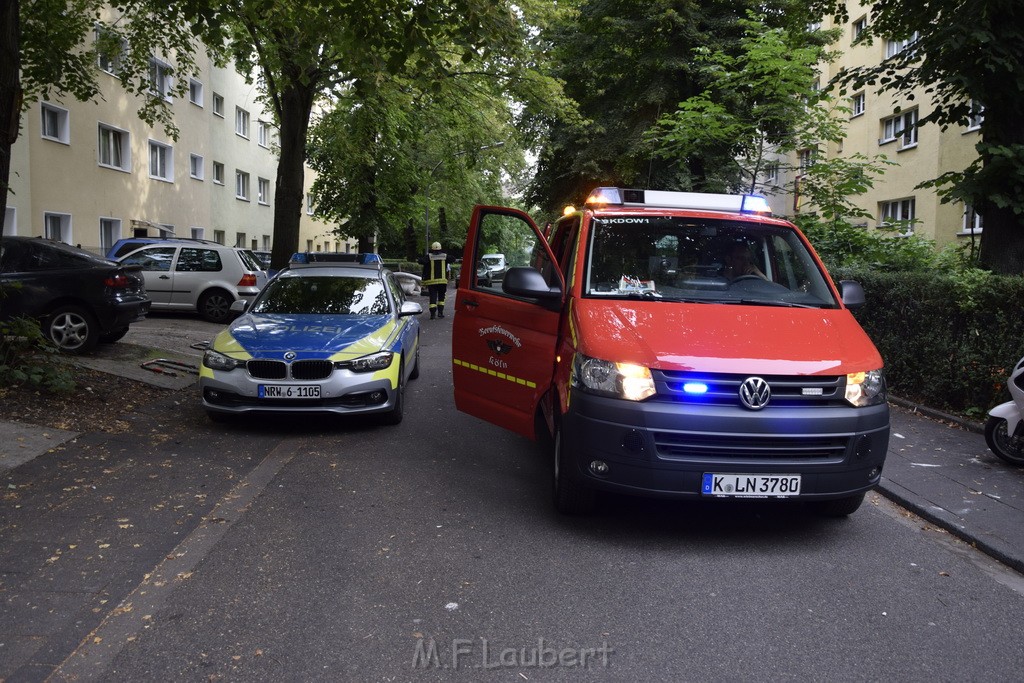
[
  {"x": 73, "y": 329},
  {"x": 570, "y": 496},
  {"x": 840, "y": 507},
  {"x": 215, "y": 305}
]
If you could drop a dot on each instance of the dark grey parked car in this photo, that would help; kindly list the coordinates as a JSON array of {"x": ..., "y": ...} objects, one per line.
[{"x": 80, "y": 299}]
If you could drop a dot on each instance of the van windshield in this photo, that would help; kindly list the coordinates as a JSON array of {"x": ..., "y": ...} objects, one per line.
[{"x": 702, "y": 260}]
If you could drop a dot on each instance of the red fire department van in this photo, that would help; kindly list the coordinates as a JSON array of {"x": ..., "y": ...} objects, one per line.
[{"x": 672, "y": 344}]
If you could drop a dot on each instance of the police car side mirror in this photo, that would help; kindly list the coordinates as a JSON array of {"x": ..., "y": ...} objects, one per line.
[
  {"x": 852, "y": 293},
  {"x": 410, "y": 308},
  {"x": 530, "y": 283}
]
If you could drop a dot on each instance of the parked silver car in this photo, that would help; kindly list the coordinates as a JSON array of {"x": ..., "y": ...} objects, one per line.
[{"x": 204, "y": 277}]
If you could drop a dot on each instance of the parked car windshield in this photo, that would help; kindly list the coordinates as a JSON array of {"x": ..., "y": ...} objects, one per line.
[
  {"x": 323, "y": 295},
  {"x": 702, "y": 260}
]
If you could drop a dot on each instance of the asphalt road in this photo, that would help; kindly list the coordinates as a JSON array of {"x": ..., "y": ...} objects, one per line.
[{"x": 327, "y": 549}]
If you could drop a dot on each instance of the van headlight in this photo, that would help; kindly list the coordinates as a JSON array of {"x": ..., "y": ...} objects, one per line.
[
  {"x": 606, "y": 378},
  {"x": 215, "y": 360},
  {"x": 865, "y": 388}
]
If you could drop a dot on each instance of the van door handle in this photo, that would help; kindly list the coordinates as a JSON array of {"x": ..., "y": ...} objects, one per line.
[{"x": 471, "y": 303}]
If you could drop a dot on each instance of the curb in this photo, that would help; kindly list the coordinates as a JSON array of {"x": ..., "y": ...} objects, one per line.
[{"x": 969, "y": 425}]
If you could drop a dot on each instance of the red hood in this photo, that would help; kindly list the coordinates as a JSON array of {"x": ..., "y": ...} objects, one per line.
[{"x": 724, "y": 338}]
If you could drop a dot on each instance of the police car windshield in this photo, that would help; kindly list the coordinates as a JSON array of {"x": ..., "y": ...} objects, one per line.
[
  {"x": 323, "y": 295},
  {"x": 702, "y": 260}
]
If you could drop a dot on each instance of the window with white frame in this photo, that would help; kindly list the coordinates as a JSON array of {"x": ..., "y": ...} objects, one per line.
[
  {"x": 240, "y": 240},
  {"x": 266, "y": 242},
  {"x": 196, "y": 167},
  {"x": 57, "y": 226},
  {"x": 893, "y": 46},
  {"x": 218, "y": 236},
  {"x": 109, "y": 49},
  {"x": 10, "y": 221},
  {"x": 898, "y": 213},
  {"x": 241, "y": 122},
  {"x": 806, "y": 159},
  {"x": 309, "y": 204},
  {"x": 771, "y": 172},
  {"x": 977, "y": 115},
  {"x": 309, "y": 245},
  {"x": 218, "y": 173},
  {"x": 241, "y": 185},
  {"x": 197, "y": 233},
  {"x": 195, "y": 92},
  {"x": 113, "y": 149},
  {"x": 973, "y": 221},
  {"x": 55, "y": 123},
  {"x": 160, "y": 78},
  {"x": 161, "y": 161},
  {"x": 858, "y": 104},
  {"x": 262, "y": 133},
  {"x": 859, "y": 26},
  {"x": 254, "y": 244},
  {"x": 902, "y": 126},
  {"x": 263, "y": 191},
  {"x": 218, "y": 105},
  {"x": 110, "y": 232}
]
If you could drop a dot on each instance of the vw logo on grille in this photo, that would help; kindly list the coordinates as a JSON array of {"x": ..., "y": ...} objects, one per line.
[
  {"x": 755, "y": 393},
  {"x": 289, "y": 355}
]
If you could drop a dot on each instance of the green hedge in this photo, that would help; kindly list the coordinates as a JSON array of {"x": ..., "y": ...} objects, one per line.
[{"x": 948, "y": 342}]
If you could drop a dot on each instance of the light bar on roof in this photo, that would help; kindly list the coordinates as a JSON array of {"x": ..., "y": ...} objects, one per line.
[{"x": 733, "y": 203}]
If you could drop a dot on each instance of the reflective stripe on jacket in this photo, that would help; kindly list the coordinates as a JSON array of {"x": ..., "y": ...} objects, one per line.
[{"x": 435, "y": 270}]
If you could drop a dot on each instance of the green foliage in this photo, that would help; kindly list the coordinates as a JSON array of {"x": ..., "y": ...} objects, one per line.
[
  {"x": 840, "y": 245},
  {"x": 27, "y": 357},
  {"x": 948, "y": 340}
]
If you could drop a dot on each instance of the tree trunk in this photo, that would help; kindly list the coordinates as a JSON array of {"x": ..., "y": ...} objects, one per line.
[
  {"x": 1002, "y": 239},
  {"x": 296, "y": 107},
  {"x": 10, "y": 94}
]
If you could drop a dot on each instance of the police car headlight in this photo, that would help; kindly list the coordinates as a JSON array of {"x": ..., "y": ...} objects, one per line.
[
  {"x": 865, "y": 388},
  {"x": 607, "y": 378},
  {"x": 371, "y": 363},
  {"x": 218, "y": 361}
]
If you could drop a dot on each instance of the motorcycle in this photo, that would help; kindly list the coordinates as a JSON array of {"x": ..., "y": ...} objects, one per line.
[{"x": 1004, "y": 430}]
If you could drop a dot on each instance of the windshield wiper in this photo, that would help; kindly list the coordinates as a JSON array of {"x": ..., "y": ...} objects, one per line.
[{"x": 773, "y": 302}]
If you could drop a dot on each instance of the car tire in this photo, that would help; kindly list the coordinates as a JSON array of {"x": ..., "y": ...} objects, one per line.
[
  {"x": 395, "y": 415},
  {"x": 215, "y": 306},
  {"x": 73, "y": 329},
  {"x": 570, "y": 496},
  {"x": 840, "y": 507},
  {"x": 113, "y": 336}
]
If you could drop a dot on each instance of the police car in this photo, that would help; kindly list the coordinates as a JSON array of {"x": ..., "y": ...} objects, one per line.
[{"x": 320, "y": 337}]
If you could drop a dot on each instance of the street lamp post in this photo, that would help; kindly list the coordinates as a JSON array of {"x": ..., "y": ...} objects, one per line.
[{"x": 426, "y": 190}]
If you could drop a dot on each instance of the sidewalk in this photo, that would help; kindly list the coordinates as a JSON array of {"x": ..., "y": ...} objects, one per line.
[
  {"x": 937, "y": 467},
  {"x": 942, "y": 470}
]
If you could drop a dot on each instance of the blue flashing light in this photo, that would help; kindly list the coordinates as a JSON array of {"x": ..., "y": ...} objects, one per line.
[
  {"x": 695, "y": 388},
  {"x": 755, "y": 203},
  {"x": 605, "y": 195}
]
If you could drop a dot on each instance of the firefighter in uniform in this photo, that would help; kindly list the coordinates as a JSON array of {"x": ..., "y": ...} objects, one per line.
[{"x": 435, "y": 277}]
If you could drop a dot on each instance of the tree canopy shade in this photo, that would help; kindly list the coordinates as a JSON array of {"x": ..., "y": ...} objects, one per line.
[
  {"x": 627, "y": 64},
  {"x": 962, "y": 55}
]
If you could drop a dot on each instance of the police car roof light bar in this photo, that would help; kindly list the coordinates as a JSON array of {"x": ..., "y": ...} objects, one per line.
[{"x": 733, "y": 203}]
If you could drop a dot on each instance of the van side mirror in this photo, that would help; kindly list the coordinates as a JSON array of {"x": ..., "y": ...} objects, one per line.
[
  {"x": 852, "y": 293},
  {"x": 528, "y": 282}
]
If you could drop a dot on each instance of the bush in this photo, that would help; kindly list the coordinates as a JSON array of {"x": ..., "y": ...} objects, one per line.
[{"x": 27, "y": 357}]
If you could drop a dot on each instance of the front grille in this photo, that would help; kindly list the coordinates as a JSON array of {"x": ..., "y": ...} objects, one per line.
[
  {"x": 304, "y": 370},
  {"x": 713, "y": 447},
  {"x": 312, "y": 369},
  {"x": 803, "y": 391}
]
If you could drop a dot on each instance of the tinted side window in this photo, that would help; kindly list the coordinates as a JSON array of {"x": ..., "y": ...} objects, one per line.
[
  {"x": 154, "y": 258},
  {"x": 396, "y": 289},
  {"x": 198, "y": 260},
  {"x": 12, "y": 257},
  {"x": 127, "y": 247}
]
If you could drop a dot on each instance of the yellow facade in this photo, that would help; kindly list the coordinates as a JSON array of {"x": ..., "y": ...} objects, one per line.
[
  {"x": 922, "y": 155},
  {"x": 82, "y": 172}
]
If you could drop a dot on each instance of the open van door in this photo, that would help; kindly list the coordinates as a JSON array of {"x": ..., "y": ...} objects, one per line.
[{"x": 503, "y": 343}]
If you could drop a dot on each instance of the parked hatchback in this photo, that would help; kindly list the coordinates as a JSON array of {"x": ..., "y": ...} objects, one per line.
[
  {"x": 203, "y": 277},
  {"x": 80, "y": 299}
]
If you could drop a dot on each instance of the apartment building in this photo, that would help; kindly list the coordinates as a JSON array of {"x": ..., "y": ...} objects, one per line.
[
  {"x": 886, "y": 124},
  {"x": 89, "y": 173}
]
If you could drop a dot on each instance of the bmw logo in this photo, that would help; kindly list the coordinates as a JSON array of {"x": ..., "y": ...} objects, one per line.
[{"x": 289, "y": 355}]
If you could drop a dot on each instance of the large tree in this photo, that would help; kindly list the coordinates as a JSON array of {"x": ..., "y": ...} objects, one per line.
[
  {"x": 962, "y": 55},
  {"x": 627, "y": 64}
]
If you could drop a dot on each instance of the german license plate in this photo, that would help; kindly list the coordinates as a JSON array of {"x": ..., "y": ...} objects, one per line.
[
  {"x": 751, "y": 485},
  {"x": 295, "y": 391}
]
